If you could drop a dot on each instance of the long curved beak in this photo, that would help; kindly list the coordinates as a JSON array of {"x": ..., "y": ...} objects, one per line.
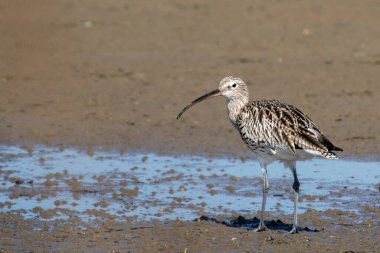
[{"x": 213, "y": 93}]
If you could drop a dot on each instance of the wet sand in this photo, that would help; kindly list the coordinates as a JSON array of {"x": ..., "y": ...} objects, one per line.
[
  {"x": 50, "y": 198},
  {"x": 180, "y": 236},
  {"x": 114, "y": 74}
]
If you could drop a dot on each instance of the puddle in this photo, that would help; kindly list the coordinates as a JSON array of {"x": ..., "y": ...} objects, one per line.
[{"x": 49, "y": 183}]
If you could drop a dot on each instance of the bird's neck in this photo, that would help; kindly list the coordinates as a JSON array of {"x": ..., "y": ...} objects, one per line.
[{"x": 234, "y": 106}]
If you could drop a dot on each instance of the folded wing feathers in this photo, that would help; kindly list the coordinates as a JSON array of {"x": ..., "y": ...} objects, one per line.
[{"x": 281, "y": 125}]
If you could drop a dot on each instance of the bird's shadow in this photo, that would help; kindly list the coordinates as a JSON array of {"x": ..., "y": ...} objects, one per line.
[{"x": 241, "y": 222}]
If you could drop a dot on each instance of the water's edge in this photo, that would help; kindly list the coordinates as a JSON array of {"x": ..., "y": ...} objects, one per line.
[{"x": 55, "y": 183}]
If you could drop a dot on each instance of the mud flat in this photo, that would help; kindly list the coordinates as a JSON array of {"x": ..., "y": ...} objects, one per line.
[
  {"x": 116, "y": 74},
  {"x": 135, "y": 201},
  {"x": 94, "y": 160}
]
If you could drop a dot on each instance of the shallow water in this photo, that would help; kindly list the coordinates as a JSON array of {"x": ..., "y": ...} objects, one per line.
[{"x": 50, "y": 183}]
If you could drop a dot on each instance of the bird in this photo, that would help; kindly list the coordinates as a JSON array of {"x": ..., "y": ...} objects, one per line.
[{"x": 274, "y": 131}]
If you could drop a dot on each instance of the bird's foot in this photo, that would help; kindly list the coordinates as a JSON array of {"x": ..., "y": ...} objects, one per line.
[
  {"x": 294, "y": 230},
  {"x": 261, "y": 228}
]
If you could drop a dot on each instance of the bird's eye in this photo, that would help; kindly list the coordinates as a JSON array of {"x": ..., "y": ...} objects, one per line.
[{"x": 234, "y": 85}]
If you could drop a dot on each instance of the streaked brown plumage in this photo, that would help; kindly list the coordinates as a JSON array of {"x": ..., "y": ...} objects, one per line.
[
  {"x": 272, "y": 124},
  {"x": 273, "y": 131}
]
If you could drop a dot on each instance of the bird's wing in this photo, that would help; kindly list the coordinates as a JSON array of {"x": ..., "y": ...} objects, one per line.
[{"x": 278, "y": 125}]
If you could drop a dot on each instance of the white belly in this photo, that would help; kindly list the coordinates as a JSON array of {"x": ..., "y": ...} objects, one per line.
[{"x": 286, "y": 154}]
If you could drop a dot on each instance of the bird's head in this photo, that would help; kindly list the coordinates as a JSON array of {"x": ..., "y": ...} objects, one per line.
[
  {"x": 230, "y": 87},
  {"x": 233, "y": 88}
]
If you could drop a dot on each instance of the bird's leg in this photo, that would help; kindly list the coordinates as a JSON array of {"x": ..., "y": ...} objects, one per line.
[
  {"x": 262, "y": 226},
  {"x": 296, "y": 188}
]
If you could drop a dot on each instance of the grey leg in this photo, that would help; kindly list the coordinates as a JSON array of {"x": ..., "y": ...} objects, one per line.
[
  {"x": 296, "y": 188},
  {"x": 262, "y": 226}
]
